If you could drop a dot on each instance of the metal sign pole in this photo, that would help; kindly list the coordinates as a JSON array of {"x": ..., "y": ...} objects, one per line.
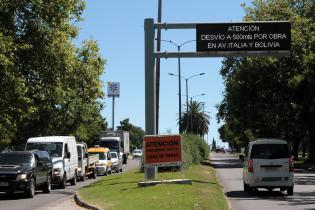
[
  {"x": 150, "y": 93},
  {"x": 113, "y": 114}
]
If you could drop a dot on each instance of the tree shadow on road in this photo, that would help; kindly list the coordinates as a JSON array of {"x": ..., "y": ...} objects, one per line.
[
  {"x": 13, "y": 196},
  {"x": 298, "y": 198},
  {"x": 305, "y": 179},
  {"x": 227, "y": 163}
]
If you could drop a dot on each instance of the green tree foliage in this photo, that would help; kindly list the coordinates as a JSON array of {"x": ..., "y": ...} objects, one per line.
[
  {"x": 48, "y": 86},
  {"x": 136, "y": 133},
  {"x": 273, "y": 97},
  {"x": 198, "y": 120}
]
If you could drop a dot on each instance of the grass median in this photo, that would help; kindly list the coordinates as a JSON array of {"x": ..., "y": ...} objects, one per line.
[{"x": 120, "y": 191}]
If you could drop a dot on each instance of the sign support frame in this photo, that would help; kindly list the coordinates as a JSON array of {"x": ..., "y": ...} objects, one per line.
[{"x": 150, "y": 80}]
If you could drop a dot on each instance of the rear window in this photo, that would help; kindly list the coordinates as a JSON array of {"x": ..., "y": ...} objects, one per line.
[{"x": 270, "y": 151}]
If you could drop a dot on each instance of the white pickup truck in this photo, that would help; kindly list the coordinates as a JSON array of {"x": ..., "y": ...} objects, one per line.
[{"x": 86, "y": 163}]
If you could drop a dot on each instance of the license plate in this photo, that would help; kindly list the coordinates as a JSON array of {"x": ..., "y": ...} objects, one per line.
[
  {"x": 271, "y": 169},
  {"x": 4, "y": 184}
]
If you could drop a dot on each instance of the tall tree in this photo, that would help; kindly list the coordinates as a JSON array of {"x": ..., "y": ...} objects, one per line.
[
  {"x": 48, "y": 86},
  {"x": 197, "y": 118},
  {"x": 273, "y": 97}
]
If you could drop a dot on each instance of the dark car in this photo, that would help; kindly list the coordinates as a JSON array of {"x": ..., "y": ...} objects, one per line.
[{"x": 25, "y": 171}]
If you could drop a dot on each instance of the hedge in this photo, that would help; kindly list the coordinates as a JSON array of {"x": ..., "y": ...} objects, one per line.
[{"x": 195, "y": 150}]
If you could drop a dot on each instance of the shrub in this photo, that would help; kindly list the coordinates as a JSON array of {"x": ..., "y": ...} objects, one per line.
[{"x": 195, "y": 150}]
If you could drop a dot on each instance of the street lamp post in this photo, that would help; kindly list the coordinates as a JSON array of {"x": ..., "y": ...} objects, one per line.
[
  {"x": 179, "y": 81},
  {"x": 186, "y": 80}
]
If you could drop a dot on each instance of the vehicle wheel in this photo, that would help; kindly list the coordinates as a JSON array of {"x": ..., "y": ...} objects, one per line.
[
  {"x": 73, "y": 181},
  {"x": 250, "y": 190},
  {"x": 290, "y": 190},
  {"x": 10, "y": 194},
  {"x": 63, "y": 182},
  {"x": 94, "y": 174},
  {"x": 31, "y": 191},
  {"x": 245, "y": 187},
  {"x": 47, "y": 186}
]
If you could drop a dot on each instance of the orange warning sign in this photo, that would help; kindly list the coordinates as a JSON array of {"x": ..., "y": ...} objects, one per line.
[{"x": 162, "y": 150}]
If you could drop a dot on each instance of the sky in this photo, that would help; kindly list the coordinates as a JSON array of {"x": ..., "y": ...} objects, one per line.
[{"x": 118, "y": 28}]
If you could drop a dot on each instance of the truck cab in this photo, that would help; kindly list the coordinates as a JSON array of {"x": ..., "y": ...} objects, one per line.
[
  {"x": 86, "y": 162},
  {"x": 116, "y": 141},
  {"x": 104, "y": 166},
  {"x": 82, "y": 160}
]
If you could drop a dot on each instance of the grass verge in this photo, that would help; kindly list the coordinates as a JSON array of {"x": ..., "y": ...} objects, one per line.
[{"x": 121, "y": 191}]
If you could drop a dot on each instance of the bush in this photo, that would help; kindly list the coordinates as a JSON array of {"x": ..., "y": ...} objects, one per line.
[{"x": 195, "y": 150}]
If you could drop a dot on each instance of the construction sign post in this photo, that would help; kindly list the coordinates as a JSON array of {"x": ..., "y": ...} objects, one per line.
[
  {"x": 163, "y": 150},
  {"x": 267, "y": 38}
]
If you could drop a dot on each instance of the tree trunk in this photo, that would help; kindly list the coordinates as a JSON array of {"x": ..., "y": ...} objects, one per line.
[
  {"x": 295, "y": 151},
  {"x": 304, "y": 148},
  {"x": 311, "y": 155}
]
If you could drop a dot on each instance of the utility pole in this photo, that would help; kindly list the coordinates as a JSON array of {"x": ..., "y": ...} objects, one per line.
[
  {"x": 157, "y": 66},
  {"x": 113, "y": 114}
]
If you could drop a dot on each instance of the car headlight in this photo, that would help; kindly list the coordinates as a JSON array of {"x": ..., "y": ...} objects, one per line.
[
  {"x": 57, "y": 171},
  {"x": 115, "y": 163},
  {"x": 21, "y": 177}
]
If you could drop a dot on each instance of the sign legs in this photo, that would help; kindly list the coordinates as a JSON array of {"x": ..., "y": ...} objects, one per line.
[{"x": 150, "y": 93}]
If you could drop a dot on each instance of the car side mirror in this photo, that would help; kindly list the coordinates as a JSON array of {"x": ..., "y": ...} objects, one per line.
[
  {"x": 68, "y": 155},
  {"x": 86, "y": 155},
  {"x": 242, "y": 157}
]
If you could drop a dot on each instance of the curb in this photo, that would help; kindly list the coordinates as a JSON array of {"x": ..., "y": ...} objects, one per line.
[{"x": 82, "y": 203}]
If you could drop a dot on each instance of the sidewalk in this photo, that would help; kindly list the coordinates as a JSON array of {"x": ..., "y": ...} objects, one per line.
[{"x": 66, "y": 203}]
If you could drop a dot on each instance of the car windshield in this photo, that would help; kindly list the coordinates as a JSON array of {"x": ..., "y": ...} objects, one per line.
[
  {"x": 102, "y": 155},
  {"x": 113, "y": 145},
  {"x": 113, "y": 154},
  {"x": 270, "y": 151},
  {"x": 15, "y": 159},
  {"x": 53, "y": 148}
]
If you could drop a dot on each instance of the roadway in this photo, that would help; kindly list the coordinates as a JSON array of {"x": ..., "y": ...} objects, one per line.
[
  {"x": 229, "y": 170},
  {"x": 54, "y": 198}
]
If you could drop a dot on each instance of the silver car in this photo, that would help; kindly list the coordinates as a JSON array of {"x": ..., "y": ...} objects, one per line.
[{"x": 268, "y": 164}]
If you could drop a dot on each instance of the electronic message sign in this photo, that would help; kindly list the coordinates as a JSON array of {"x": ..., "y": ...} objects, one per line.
[
  {"x": 244, "y": 36},
  {"x": 163, "y": 150}
]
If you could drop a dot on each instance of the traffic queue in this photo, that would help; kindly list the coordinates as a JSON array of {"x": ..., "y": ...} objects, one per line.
[{"x": 53, "y": 161}]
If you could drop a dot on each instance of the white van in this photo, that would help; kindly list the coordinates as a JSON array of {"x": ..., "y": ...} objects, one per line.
[
  {"x": 268, "y": 164},
  {"x": 63, "y": 151}
]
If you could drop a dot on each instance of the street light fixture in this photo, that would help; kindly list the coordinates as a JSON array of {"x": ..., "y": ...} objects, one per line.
[
  {"x": 179, "y": 77},
  {"x": 186, "y": 79}
]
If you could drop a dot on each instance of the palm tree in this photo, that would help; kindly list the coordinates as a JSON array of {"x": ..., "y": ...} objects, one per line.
[{"x": 198, "y": 120}]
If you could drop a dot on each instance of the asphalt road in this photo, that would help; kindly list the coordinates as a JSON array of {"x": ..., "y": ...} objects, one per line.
[
  {"x": 44, "y": 201},
  {"x": 229, "y": 169}
]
